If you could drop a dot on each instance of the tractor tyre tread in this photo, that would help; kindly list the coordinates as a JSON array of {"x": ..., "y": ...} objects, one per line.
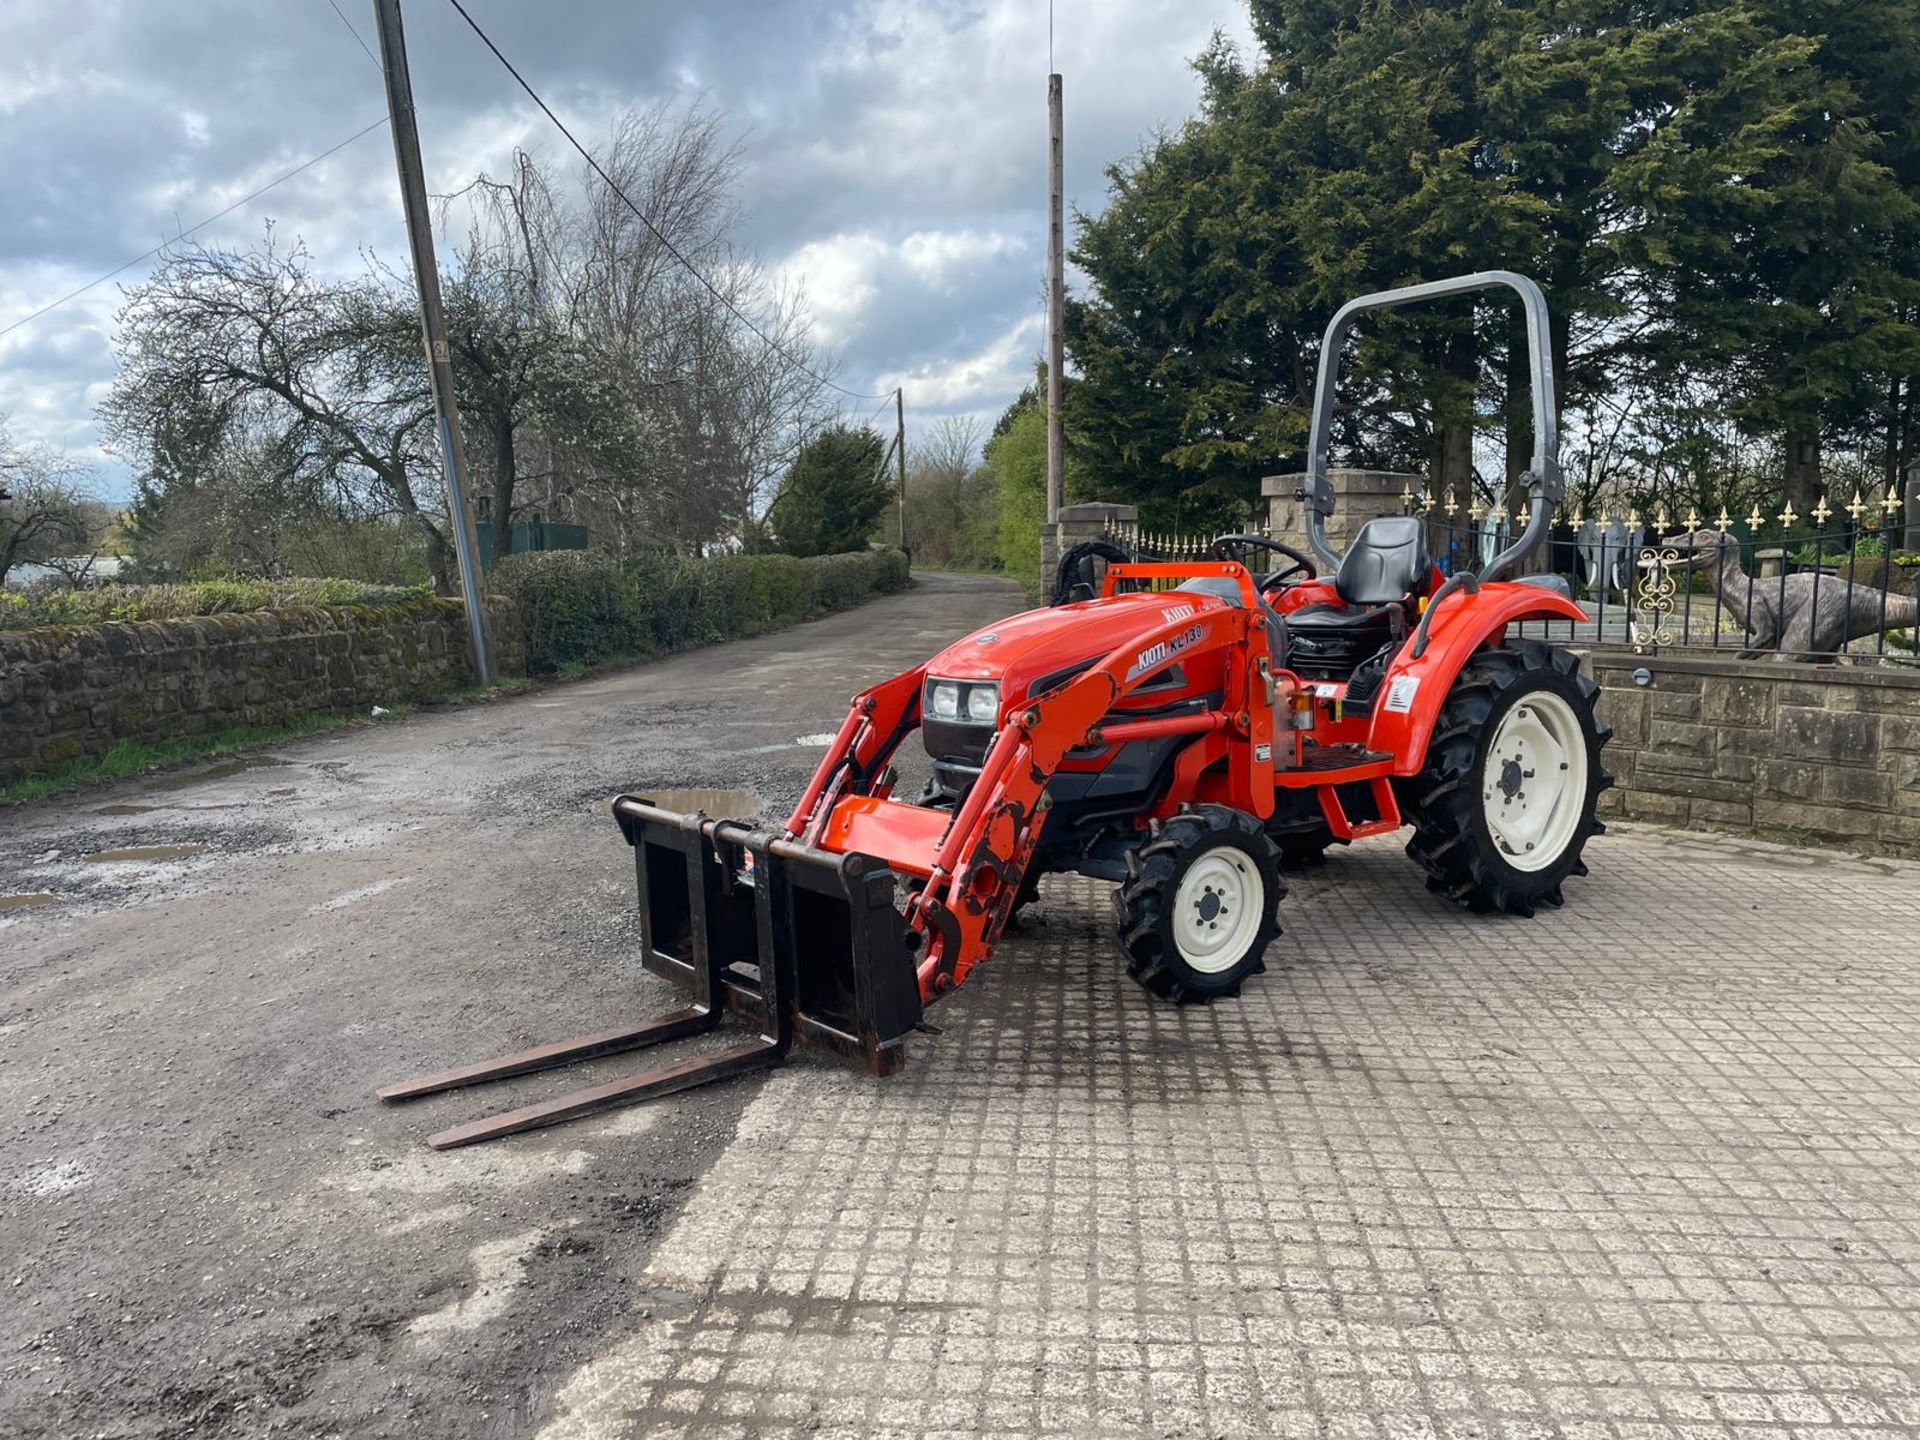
[
  {"x": 1441, "y": 800},
  {"x": 1139, "y": 904}
]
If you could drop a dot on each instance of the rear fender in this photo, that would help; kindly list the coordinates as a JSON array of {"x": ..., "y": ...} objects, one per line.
[{"x": 1415, "y": 689}]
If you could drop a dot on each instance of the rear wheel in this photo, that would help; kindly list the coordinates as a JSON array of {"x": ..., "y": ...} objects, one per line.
[
  {"x": 1196, "y": 912},
  {"x": 1504, "y": 805}
]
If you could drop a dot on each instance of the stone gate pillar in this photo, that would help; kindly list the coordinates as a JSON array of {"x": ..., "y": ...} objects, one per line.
[
  {"x": 1077, "y": 523},
  {"x": 1359, "y": 496}
]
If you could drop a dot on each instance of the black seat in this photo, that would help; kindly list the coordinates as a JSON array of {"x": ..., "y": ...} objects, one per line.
[
  {"x": 1386, "y": 565},
  {"x": 1388, "y": 561}
]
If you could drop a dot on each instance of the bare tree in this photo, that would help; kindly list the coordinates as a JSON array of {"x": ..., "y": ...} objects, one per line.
[
  {"x": 47, "y": 511},
  {"x": 603, "y": 381},
  {"x": 951, "y": 507},
  {"x": 213, "y": 335}
]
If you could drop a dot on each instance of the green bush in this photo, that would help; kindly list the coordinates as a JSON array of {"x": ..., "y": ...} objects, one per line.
[
  {"x": 576, "y": 607},
  {"x": 585, "y": 609},
  {"x": 1017, "y": 461},
  {"x": 47, "y": 605}
]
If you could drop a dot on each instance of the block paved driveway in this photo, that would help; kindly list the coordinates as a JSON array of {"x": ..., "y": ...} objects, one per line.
[{"x": 1645, "y": 1166}]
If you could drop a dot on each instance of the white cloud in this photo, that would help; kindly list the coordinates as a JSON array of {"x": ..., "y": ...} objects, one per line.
[
  {"x": 845, "y": 275},
  {"x": 995, "y": 373},
  {"x": 33, "y": 83}
]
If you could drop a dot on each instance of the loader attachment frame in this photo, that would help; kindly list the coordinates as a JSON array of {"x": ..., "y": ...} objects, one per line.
[{"x": 804, "y": 945}]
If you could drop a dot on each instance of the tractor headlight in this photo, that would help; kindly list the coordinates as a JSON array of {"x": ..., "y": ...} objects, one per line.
[
  {"x": 965, "y": 702},
  {"x": 983, "y": 704}
]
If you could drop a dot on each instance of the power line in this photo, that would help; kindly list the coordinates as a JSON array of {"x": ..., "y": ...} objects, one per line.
[
  {"x": 653, "y": 229},
  {"x": 200, "y": 225},
  {"x": 356, "y": 35}
]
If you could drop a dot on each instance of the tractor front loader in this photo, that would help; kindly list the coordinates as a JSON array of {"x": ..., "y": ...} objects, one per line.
[{"x": 1182, "y": 743}]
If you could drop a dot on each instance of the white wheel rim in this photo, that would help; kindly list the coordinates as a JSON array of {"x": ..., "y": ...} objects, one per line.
[
  {"x": 1216, "y": 909},
  {"x": 1534, "y": 783}
]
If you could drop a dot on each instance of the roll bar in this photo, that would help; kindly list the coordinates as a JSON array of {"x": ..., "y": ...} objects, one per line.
[{"x": 1545, "y": 482}]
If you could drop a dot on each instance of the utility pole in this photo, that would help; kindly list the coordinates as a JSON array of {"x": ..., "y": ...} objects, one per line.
[
  {"x": 1056, "y": 302},
  {"x": 900, "y": 456},
  {"x": 433, "y": 328}
]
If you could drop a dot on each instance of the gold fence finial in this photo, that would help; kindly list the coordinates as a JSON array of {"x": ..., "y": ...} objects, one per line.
[
  {"x": 1789, "y": 516},
  {"x": 1725, "y": 522},
  {"x": 1821, "y": 513}
]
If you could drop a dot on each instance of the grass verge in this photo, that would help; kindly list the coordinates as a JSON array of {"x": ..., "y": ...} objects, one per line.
[{"x": 130, "y": 758}]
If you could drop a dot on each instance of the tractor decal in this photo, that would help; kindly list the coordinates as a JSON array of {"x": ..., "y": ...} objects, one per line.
[{"x": 1158, "y": 654}]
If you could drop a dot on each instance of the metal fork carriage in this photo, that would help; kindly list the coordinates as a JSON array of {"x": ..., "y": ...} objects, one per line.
[{"x": 724, "y": 909}]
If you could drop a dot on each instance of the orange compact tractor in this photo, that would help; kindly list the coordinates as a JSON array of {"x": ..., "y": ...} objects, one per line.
[{"x": 1179, "y": 742}]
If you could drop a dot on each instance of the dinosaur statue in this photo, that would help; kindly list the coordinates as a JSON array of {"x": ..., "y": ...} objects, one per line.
[{"x": 1781, "y": 616}]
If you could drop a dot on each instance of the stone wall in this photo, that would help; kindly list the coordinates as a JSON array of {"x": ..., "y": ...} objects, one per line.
[
  {"x": 1830, "y": 753},
  {"x": 73, "y": 691}
]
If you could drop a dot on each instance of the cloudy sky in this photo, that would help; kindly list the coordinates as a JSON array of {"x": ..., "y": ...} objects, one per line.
[{"x": 895, "y": 152}]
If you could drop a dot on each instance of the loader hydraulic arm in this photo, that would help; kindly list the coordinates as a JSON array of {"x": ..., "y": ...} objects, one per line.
[{"x": 974, "y": 864}]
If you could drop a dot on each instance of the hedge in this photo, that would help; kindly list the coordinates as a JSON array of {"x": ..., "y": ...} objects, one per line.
[
  {"x": 580, "y": 608},
  {"x": 65, "y": 605}
]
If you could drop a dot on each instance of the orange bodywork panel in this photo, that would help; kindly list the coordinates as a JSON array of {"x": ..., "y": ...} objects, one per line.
[
  {"x": 1415, "y": 689},
  {"x": 906, "y": 836}
]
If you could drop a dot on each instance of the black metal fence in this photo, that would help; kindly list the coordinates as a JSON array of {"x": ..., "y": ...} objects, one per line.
[{"x": 1833, "y": 585}]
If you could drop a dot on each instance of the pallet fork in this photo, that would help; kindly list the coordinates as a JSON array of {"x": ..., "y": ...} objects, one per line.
[{"x": 803, "y": 944}]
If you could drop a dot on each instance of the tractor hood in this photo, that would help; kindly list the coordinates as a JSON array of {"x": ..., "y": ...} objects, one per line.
[{"x": 1038, "y": 645}]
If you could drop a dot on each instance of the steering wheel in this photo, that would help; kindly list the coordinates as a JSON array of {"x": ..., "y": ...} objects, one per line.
[{"x": 1234, "y": 547}]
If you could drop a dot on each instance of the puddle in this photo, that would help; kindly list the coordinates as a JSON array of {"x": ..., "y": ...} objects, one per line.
[
  {"x": 717, "y": 804},
  {"x": 24, "y": 902},
  {"x": 221, "y": 771},
  {"x": 126, "y": 809},
  {"x": 146, "y": 852}
]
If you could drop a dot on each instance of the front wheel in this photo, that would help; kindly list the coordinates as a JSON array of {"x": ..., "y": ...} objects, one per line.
[
  {"x": 1196, "y": 912},
  {"x": 1504, "y": 805}
]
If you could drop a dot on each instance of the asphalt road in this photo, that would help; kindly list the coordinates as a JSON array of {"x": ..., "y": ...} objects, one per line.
[{"x": 208, "y": 1225}]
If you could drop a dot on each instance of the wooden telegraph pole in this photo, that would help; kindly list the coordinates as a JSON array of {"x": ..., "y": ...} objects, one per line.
[
  {"x": 426, "y": 274},
  {"x": 900, "y": 456},
  {"x": 1056, "y": 301}
]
